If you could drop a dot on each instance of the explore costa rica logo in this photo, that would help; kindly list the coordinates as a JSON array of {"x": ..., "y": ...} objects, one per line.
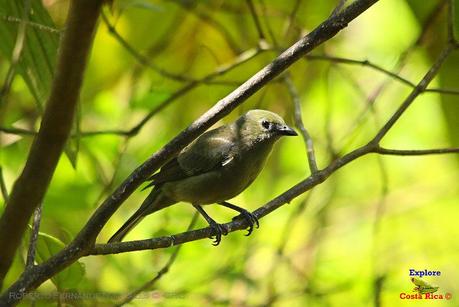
[{"x": 424, "y": 289}]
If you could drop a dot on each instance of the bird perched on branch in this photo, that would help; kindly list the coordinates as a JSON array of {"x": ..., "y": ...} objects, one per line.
[{"x": 215, "y": 167}]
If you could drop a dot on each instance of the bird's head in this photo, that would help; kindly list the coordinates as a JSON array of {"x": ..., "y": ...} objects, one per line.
[{"x": 260, "y": 125}]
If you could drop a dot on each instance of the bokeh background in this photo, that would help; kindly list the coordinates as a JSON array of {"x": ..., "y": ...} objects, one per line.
[{"x": 158, "y": 65}]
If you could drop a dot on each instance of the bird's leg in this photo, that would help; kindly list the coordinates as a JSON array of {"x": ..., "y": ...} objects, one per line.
[
  {"x": 248, "y": 216},
  {"x": 217, "y": 228}
]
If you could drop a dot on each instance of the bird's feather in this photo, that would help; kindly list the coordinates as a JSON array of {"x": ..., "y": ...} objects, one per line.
[{"x": 197, "y": 159}]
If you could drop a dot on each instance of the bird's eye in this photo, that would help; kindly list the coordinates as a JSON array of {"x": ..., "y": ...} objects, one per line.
[{"x": 266, "y": 124}]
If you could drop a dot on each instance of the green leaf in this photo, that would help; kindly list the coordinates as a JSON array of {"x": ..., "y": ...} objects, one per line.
[
  {"x": 37, "y": 62},
  {"x": 38, "y": 59}
]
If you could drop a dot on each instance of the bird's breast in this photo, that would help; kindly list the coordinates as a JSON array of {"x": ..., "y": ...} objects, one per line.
[{"x": 222, "y": 184}]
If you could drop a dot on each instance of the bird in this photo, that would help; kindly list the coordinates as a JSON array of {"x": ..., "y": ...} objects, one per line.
[{"x": 215, "y": 167}]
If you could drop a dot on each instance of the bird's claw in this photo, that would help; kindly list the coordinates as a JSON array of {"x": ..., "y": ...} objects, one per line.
[
  {"x": 218, "y": 230},
  {"x": 250, "y": 218}
]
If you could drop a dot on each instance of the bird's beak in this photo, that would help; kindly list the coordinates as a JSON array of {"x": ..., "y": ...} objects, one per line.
[{"x": 286, "y": 130}]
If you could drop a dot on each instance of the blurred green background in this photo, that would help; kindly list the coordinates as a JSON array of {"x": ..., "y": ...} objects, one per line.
[{"x": 350, "y": 241}]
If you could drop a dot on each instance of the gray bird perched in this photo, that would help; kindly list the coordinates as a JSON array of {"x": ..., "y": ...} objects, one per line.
[{"x": 215, "y": 167}]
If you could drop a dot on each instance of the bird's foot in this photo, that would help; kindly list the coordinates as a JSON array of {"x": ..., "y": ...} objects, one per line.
[
  {"x": 218, "y": 230},
  {"x": 250, "y": 218}
]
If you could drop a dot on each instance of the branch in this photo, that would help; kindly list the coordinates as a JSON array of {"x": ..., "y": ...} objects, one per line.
[
  {"x": 450, "y": 23},
  {"x": 241, "y": 59},
  {"x": 17, "y": 131},
  {"x": 34, "y": 237},
  {"x": 366, "y": 63},
  {"x": 442, "y": 91},
  {"x": 291, "y": 17},
  {"x": 416, "y": 152},
  {"x": 339, "y": 7},
  {"x": 161, "y": 272},
  {"x": 376, "y": 67},
  {"x": 84, "y": 241},
  {"x": 145, "y": 61},
  {"x": 256, "y": 20},
  {"x": 191, "y": 7},
  {"x": 299, "y": 124},
  {"x": 3, "y": 188},
  {"x": 422, "y": 85},
  {"x": 56, "y": 125},
  {"x": 32, "y": 24}
]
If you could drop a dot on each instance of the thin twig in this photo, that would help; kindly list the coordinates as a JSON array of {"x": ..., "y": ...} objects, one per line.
[
  {"x": 379, "y": 212},
  {"x": 32, "y": 24},
  {"x": 145, "y": 61},
  {"x": 360, "y": 62},
  {"x": 290, "y": 223},
  {"x": 268, "y": 26},
  {"x": 308, "y": 142},
  {"x": 190, "y": 6},
  {"x": 338, "y": 8},
  {"x": 116, "y": 166},
  {"x": 416, "y": 152},
  {"x": 442, "y": 91},
  {"x": 161, "y": 272},
  {"x": 34, "y": 237},
  {"x": 3, "y": 188},
  {"x": 161, "y": 44},
  {"x": 291, "y": 17},
  {"x": 376, "y": 67},
  {"x": 256, "y": 20},
  {"x": 450, "y": 22},
  {"x": 422, "y": 85},
  {"x": 241, "y": 59}
]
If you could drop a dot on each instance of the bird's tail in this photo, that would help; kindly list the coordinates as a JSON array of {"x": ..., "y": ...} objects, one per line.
[{"x": 151, "y": 204}]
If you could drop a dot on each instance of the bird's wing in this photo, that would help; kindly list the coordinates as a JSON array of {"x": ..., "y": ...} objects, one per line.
[{"x": 210, "y": 151}]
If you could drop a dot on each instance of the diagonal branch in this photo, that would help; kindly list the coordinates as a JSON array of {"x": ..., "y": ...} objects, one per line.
[
  {"x": 422, "y": 85},
  {"x": 84, "y": 241}
]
